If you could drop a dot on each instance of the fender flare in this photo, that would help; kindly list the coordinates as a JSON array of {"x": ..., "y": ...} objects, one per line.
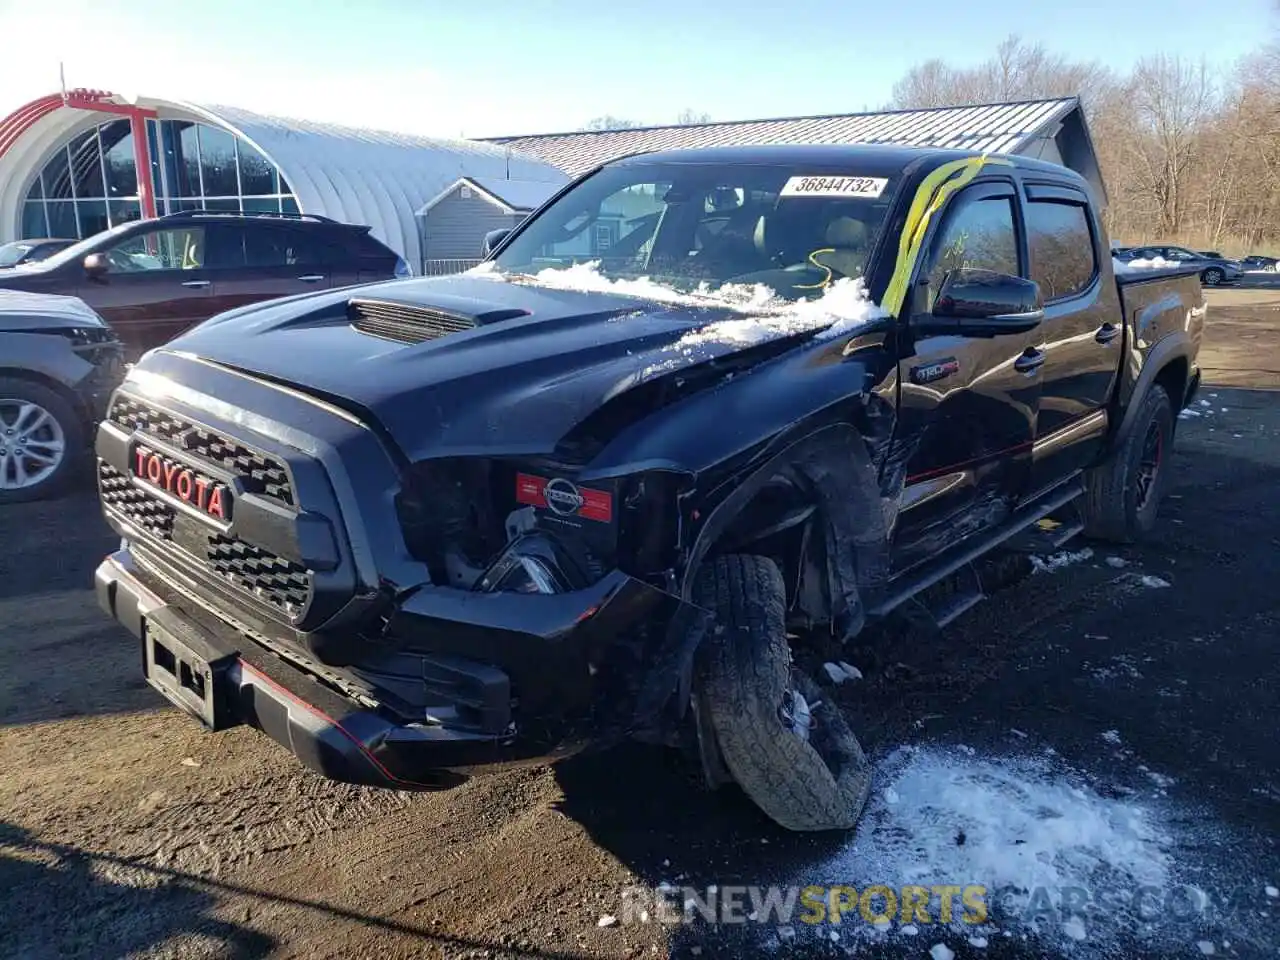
[
  {"x": 1176, "y": 345},
  {"x": 858, "y": 518}
]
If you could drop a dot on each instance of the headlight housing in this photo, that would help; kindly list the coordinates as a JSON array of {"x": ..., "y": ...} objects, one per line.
[{"x": 529, "y": 564}]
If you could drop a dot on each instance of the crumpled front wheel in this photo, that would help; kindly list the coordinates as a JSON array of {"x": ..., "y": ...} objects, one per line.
[{"x": 786, "y": 744}]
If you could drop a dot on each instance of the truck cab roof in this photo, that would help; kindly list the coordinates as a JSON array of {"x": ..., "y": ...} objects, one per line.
[{"x": 871, "y": 159}]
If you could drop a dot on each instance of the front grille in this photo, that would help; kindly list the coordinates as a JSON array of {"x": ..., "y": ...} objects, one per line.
[
  {"x": 404, "y": 322},
  {"x": 278, "y": 581},
  {"x": 137, "y": 506},
  {"x": 281, "y": 583},
  {"x": 262, "y": 474}
]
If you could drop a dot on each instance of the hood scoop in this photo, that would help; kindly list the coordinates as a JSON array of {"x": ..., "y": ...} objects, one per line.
[{"x": 414, "y": 323}]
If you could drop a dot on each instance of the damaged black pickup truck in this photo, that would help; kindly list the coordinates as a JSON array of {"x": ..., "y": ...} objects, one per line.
[{"x": 701, "y": 410}]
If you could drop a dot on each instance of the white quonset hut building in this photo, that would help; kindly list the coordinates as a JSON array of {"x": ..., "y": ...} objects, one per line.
[
  {"x": 76, "y": 163},
  {"x": 73, "y": 165}
]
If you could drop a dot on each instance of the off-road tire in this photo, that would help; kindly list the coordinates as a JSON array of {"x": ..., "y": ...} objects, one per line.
[
  {"x": 1114, "y": 510},
  {"x": 15, "y": 388},
  {"x": 746, "y": 672}
]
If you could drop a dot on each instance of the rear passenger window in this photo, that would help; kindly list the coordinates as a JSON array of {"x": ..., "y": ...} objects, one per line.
[
  {"x": 275, "y": 247},
  {"x": 1062, "y": 254}
]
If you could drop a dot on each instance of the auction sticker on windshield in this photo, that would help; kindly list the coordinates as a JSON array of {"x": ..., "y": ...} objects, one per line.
[{"x": 870, "y": 187}]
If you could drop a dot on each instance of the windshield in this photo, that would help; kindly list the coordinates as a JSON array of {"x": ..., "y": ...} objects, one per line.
[
  {"x": 793, "y": 230},
  {"x": 11, "y": 253}
]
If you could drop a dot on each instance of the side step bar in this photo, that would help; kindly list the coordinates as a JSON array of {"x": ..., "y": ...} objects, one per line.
[{"x": 935, "y": 571}]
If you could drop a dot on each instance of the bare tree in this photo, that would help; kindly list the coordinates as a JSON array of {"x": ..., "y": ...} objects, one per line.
[
  {"x": 688, "y": 117},
  {"x": 1172, "y": 100},
  {"x": 610, "y": 122},
  {"x": 1017, "y": 71}
]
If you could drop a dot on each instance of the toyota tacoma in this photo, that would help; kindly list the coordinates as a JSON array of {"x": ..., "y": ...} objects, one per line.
[{"x": 702, "y": 413}]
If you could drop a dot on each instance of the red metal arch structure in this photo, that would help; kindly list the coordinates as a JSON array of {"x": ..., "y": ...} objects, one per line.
[{"x": 24, "y": 118}]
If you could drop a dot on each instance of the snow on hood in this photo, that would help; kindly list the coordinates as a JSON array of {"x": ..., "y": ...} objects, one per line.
[
  {"x": 844, "y": 307},
  {"x": 1133, "y": 266}
]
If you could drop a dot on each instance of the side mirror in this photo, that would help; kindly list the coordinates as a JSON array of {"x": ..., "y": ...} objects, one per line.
[
  {"x": 493, "y": 239},
  {"x": 96, "y": 265},
  {"x": 986, "y": 303}
]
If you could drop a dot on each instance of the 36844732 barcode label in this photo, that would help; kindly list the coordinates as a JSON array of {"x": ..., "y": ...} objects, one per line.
[{"x": 870, "y": 187}]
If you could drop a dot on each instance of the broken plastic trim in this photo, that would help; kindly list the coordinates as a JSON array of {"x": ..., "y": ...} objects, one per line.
[{"x": 528, "y": 565}]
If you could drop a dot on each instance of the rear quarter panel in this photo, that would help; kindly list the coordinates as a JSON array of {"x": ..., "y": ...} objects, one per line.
[{"x": 1164, "y": 316}]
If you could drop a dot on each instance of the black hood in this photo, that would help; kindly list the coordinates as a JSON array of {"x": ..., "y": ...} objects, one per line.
[{"x": 516, "y": 385}]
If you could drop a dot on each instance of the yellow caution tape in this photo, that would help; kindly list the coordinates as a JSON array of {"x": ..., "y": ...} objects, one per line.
[{"x": 931, "y": 196}]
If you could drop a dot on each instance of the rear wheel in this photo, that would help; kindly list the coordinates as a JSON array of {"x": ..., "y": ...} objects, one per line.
[
  {"x": 1123, "y": 492},
  {"x": 786, "y": 744},
  {"x": 1212, "y": 277},
  {"x": 39, "y": 437}
]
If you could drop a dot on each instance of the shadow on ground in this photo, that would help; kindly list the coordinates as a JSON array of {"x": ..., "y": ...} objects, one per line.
[{"x": 111, "y": 918}]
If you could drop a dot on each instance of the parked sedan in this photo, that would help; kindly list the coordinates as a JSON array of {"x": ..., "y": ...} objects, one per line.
[
  {"x": 1213, "y": 271},
  {"x": 18, "y": 252},
  {"x": 1257, "y": 262}
]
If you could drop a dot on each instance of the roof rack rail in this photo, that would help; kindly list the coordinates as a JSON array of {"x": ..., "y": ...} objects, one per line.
[{"x": 188, "y": 214}]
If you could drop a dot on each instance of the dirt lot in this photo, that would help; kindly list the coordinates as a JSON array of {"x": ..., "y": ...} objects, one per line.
[{"x": 1109, "y": 722}]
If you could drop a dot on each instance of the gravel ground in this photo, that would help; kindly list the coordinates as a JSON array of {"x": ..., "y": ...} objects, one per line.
[{"x": 126, "y": 831}]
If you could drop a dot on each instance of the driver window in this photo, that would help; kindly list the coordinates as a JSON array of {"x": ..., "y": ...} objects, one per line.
[
  {"x": 181, "y": 249},
  {"x": 977, "y": 235}
]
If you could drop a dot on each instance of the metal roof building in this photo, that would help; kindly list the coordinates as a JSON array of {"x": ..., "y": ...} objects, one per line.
[
  {"x": 1052, "y": 130},
  {"x": 74, "y": 164}
]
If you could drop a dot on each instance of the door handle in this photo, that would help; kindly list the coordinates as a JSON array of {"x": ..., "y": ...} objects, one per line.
[
  {"x": 1106, "y": 333},
  {"x": 196, "y": 283},
  {"x": 1031, "y": 360},
  {"x": 311, "y": 277}
]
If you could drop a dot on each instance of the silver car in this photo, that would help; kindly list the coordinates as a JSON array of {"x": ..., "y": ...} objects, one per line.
[{"x": 1213, "y": 270}]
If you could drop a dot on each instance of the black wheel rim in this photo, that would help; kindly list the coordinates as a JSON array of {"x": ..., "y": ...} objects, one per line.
[{"x": 1148, "y": 472}]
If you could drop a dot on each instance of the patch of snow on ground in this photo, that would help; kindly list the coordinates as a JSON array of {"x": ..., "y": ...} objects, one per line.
[
  {"x": 1120, "y": 666},
  {"x": 1012, "y": 825},
  {"x": 1073, "y": 927},
  {"x": 1153, "y": 582},
  {"x": 1111, "y": 736},
  {"x": 1056, "y": 561},
  {"x": 841, "y": 671}
]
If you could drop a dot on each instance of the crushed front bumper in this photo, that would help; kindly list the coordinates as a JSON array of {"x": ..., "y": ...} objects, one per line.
[{"x": 223, "y": 678}]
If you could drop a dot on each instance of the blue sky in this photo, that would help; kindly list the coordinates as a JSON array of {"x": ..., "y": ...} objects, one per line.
[{"x": 516, "y": 66}]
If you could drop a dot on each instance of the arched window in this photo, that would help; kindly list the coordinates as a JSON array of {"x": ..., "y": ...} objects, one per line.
[
  {"x": 91, "y": 182},
  {"x": 206, "y": 168}
]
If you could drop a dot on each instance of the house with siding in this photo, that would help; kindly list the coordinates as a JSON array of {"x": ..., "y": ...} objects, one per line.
[{"x": 452, "y": 225}]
